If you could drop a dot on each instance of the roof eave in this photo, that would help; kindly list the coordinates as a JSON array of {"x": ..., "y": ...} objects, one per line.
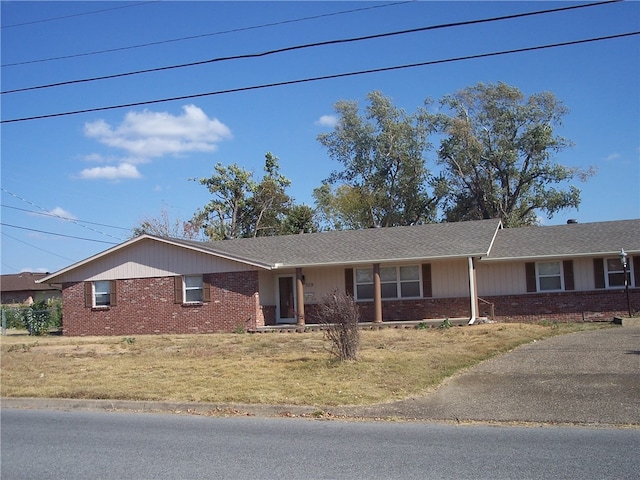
[{"x": 614, "y": 253}]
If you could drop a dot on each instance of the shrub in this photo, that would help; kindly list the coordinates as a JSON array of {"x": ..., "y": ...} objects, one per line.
[
  {"x": 36, "y": 318},
  {"x": 339, "y": 314}
]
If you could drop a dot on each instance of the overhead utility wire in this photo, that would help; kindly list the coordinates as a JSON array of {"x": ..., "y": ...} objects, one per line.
[
  {"x": 304, "y": 46},
  {"x": 324, "y": 77},
  {"x": 47, "y": 214},
  {"x": 44, "y": 20},
  {"x": 56, "y": 234},
  {"x": 211, "y": 34},
  {"x": 56, "y": 215},
  {"x": 37, "y": 248}
]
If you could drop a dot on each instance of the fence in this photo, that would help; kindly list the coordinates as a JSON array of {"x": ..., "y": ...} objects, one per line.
[{"x": 39, "y": 319}]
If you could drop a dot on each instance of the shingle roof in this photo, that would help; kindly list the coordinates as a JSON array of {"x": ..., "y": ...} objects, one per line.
[
  {"x": 439, "y": 240},
  {"x": 23, "y": 282},
  {"x": 581, "y": 239}
]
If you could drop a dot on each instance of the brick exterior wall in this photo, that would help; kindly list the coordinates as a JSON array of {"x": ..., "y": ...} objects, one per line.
[
  {"x": 146, "y": 306},
  {"x": 593, "y": 305}
]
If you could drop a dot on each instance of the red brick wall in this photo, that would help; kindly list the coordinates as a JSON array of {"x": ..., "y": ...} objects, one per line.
[
  {"x": 533, "y": 307},
  {"x": 146, "y": 306},
  {"x": 563, "y": 306}
]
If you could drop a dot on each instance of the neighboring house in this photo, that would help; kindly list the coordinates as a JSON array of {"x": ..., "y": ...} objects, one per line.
[
  {"x": 23, "y": 289},
  {"x": 154, "y": 284}
]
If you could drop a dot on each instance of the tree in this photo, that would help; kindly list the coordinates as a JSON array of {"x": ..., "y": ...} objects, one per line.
[
  {"x": 497, "y": 155},
  {"x": 242, "y": 207},
  {"x": 299, "y": 219},
  {"x": 225, "y": 215},
  {"x": 269, "y": 203},
  {"x": 383, "y": 155},
  {"x": 164, "y": 226}
]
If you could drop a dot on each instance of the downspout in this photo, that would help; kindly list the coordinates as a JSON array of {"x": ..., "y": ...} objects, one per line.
[{"x": 473, "y": 295}]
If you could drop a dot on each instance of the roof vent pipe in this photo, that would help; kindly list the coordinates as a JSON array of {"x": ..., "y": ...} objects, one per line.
[{"x": 571, "y": 221}]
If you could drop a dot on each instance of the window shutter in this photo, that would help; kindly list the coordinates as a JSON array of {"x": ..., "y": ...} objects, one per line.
[
  {"x": 427, "y": 288},
  {"x": 177, "y": 289},
  {"x": 113, "y": 290},
  {"x": 598, "y": 272},
  {"x": 532, "y": 284},
  {"x": 348, "y": 281},
  {"x": 567, "y": 267},
  {"x": 206, "y": 288},
  {"x": 636, "y": 272},
  {"x": 88, "y": 294}
]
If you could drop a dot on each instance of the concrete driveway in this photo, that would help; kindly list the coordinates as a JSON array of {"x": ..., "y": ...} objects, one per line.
[{"x": 585, "y": 378}]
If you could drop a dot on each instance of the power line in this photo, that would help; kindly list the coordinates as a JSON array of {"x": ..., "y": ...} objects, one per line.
[
  {"x": 308, "y": 45},
  {"x": 324, "y": 77},
  {"x": 58, "y": 216},
  {"x": 56, "y": 234},
  {"x": 37, "y": 248},
  {"x": 223, "y": 32},
  {"x": 47, "y": 214},
  {"x": 75, "y": 15}
]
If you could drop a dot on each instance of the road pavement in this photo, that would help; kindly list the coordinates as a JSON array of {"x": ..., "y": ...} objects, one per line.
[{"x": 584, "y": 378}]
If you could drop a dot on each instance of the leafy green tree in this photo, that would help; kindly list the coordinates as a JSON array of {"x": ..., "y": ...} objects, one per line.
[
  {"x": 269, "y": 203},
  {"x": 497, "y": 155},
  {"x": 225, "y": 214},
  {"x": 299, "y": 219},
  {"x": 242, "y": 207},
  {"x": 384, "y": 169}
]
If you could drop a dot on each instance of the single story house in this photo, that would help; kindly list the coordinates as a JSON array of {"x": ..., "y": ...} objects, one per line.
[
  {"x": 152, "y": 284},
  {"x": 24, "y": 289}
]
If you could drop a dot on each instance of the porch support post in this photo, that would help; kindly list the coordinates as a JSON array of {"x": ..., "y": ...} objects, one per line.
[
  {"x": 377, "y": 294},
  {"x": 473, "y": 290},
  {"x": 300, "y": 297}
]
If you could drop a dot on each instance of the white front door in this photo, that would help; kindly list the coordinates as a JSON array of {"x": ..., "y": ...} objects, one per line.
[{"x": 286, "y": 300}]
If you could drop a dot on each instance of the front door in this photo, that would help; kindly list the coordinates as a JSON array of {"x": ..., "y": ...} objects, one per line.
[{"x": 286, "y": 301}]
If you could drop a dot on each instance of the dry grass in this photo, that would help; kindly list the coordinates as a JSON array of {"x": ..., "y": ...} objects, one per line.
[{"x": 275, "y": 368}]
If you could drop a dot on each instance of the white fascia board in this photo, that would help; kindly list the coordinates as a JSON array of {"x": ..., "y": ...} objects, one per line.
[{"x": 557, "y": 256}]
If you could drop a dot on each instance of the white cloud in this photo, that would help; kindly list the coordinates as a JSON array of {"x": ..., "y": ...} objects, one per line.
[
  {"x": 612, "y": 157},
  {"x": 327, "y": 121},
  {"x": 149, "y": 134},
  {"x": 124, "y": 170},
  {"x": 61, "y": 212}
]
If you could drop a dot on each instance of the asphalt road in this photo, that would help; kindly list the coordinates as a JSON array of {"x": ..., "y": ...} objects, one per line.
[{"x": 55, "y": 444}]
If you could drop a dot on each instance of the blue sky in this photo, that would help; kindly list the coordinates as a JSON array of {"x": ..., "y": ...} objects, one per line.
[{"x": 105, "y": 171}]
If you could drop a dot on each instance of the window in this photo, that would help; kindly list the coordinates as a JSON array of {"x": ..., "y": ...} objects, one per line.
[
  {"x": 549, "y": 276},
  {"x": 100, "y": 294},
  {"x": 614, "y": 272},
  {"x": 395, "y": 282},
  {"x": 193, "y": 289}
]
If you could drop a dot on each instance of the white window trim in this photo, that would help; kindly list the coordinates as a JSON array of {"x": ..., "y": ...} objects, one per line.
[
  {"x": 185, "y": 289},
  {"x": 539, "y": 276},
  {"x": 94, "y": 292},
  {"x": 398, "y": 283},
  {"x": 630, "y": 275}
]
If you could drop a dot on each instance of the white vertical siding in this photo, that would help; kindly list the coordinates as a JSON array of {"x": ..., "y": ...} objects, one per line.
[
  {"x": 501, "y": 278},
  {"x": 150, "y": 258},
  {"x": 450, "y": 279}
]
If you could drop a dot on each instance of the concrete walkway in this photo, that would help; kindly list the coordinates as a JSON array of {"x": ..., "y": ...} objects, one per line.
[{"x": 586, "y": 378}]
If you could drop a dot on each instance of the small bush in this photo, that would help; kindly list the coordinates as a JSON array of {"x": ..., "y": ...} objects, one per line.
[{"x": 339, "y": 314}]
